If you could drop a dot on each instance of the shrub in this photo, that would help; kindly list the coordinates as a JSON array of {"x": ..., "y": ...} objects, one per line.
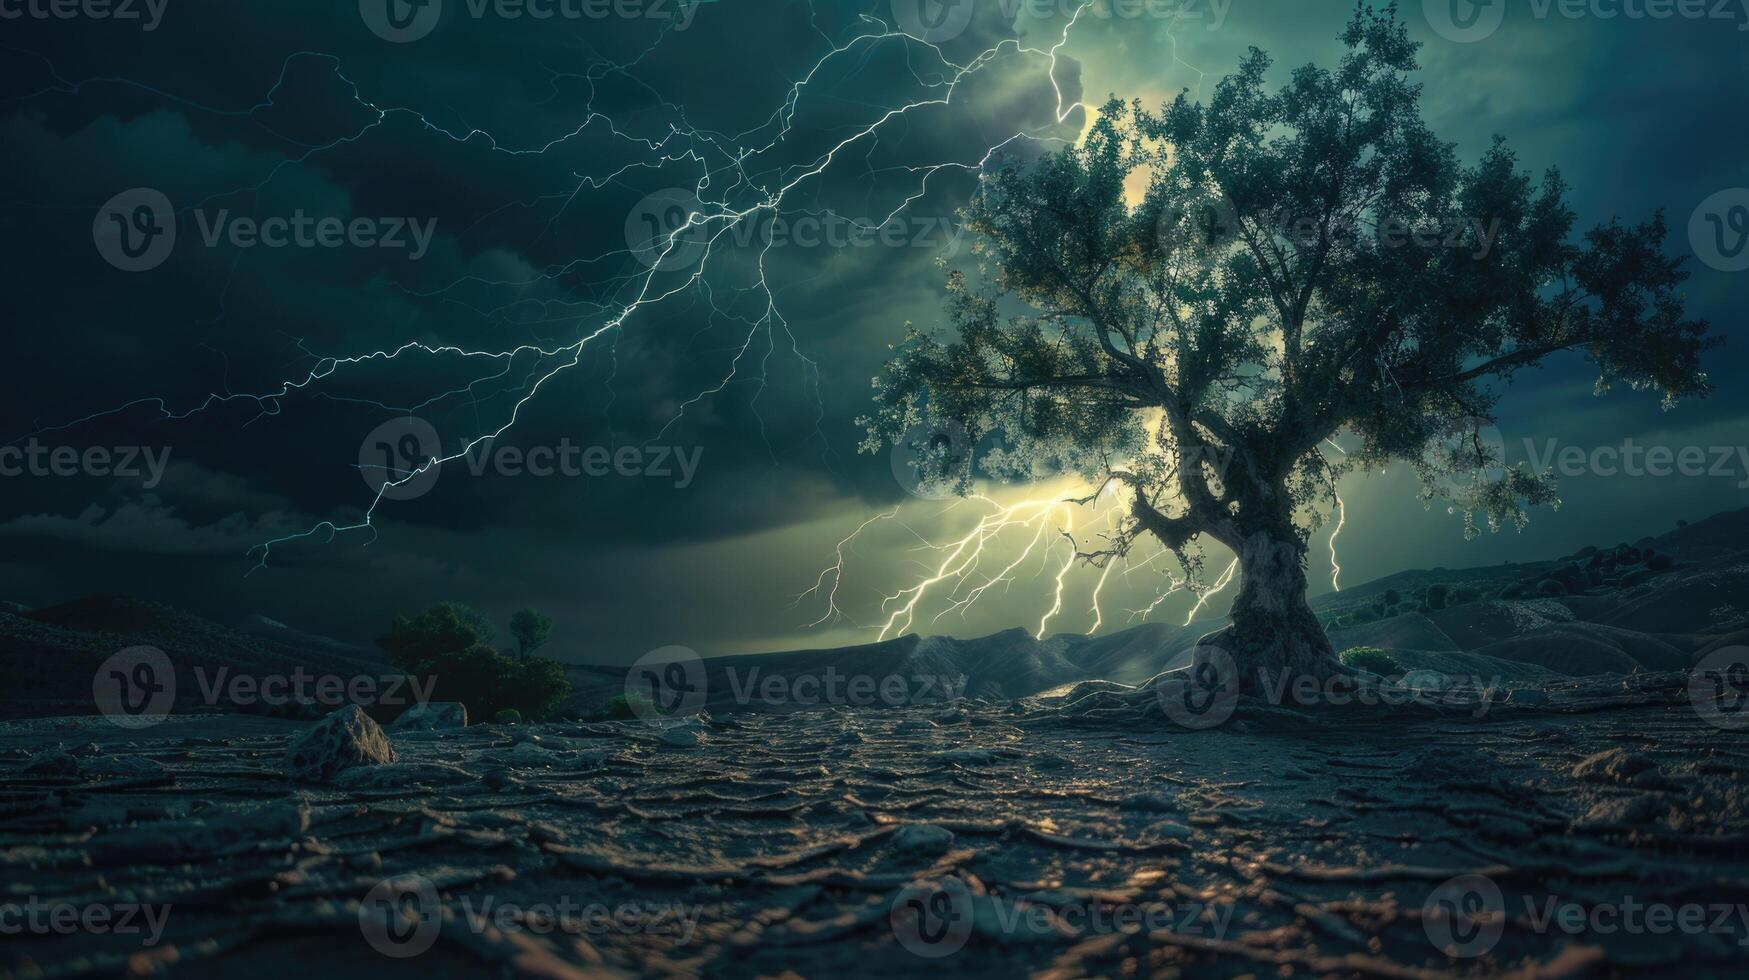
[
  {"x": 1437, "y": 595},
  {"x": 1392, "y": 597},
  {"x": 444, "y": 643},
  {"x": 1550, "y": 587},
  {"x": 508, "y": 716},
  {"x": 1659, "y": 563},
  {"x": 1371, "y": 658},
  {"x": 626, "y": 706}
]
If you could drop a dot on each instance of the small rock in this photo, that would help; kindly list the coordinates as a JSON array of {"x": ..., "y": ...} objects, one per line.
[
  {"x": 849, "y": 738},
  {"x": 1620, "y": 811},
  {"x": 683, "y": 736},
  {"x": 1172, "y": 829},
  {"x": 1616, "y": 766},
  {"x": 1527, "y": 695},
  {"x": 1425, "y": 680},
  {"x": 923, "y": 838},
  {"x": 915, "y": 726},
  {"x": 428, "y": 716},
  {"x": 344, "y": 739},
  {"x": 1151, "y": 802}
]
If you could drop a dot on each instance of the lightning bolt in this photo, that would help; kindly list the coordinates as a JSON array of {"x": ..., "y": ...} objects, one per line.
[{"x": 730, "y": 197}]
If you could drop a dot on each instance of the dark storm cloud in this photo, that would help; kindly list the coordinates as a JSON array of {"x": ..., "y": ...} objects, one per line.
[{"x": 525, "y": 150}]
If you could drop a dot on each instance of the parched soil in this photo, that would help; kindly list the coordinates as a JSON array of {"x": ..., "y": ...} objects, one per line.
[{"x": 972, "y": 838}]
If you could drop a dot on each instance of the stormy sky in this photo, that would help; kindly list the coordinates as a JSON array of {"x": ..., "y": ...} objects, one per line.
[{"x": 477, "y": 177}]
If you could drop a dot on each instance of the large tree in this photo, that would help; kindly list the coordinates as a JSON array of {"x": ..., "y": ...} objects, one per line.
[{"x": 1305, "y": 263}]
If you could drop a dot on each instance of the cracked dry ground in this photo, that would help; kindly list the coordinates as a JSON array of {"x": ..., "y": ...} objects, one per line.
[{"x": 1276, "y": 845}]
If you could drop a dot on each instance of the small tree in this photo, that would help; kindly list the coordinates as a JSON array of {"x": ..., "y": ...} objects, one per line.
[
  {"x": 531, "y": 629},
  {"x": 443, "y": 643},
  {"x": 1200, "y": 347}
]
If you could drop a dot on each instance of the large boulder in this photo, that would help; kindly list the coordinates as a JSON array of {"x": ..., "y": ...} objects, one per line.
[
  {"x": 431, "y": 716},
  {"x": 344, "y": 739}
]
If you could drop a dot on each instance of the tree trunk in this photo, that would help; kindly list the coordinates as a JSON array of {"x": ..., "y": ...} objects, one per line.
[{"x": 1274, "y": 630}]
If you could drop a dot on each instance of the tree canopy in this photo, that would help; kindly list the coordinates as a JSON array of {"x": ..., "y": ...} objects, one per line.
[{"x": 1304, "y": 262}]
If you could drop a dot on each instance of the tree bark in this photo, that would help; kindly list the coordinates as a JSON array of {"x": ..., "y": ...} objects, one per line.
[{"x": 1274, "y": 630}]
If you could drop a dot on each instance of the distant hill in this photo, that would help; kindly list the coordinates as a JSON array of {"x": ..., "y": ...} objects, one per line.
[
  {"x": 53, "y": 653},
  {"x": 1659, "y": 603},
  {"x": 1619, "y": 608}
]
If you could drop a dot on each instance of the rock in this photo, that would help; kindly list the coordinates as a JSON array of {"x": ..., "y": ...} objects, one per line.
[
  {"x": 685, "y": 736},
  {"x": 342, "y": 740},
  {"x": 849, "y": 738},
  {"x": 53, "y": 764},
  {"x": 429, "y": 716},
  {"x": 1425, "y": 680},
  {"x": 1172, "y": 829},
  {"x": 1527, "y": 695},
  {"x": 923, "y": 838},
  {"x": 1620, "y": 811},
  {"x": 1149, "y": 802},
  {"x": 1617, "y": 766},
  {"x": 915, "y": 726},
  {"x": 529, "y": 755}
]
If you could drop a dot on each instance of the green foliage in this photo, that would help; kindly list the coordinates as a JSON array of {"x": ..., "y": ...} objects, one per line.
[
  {"x": 1437, "y": 596},
  {"x": 443, "y": 643},
  {"x": 1304, "y": 262},
  {"x": 508, "y": 716},
  {"x": 446, "y": 628},
  {"x": 627, "y": 706},
  {"x": 1392, "y": 597},
  {"x": 531, "y": 630},
  {"x": 1373, "y": 659}
]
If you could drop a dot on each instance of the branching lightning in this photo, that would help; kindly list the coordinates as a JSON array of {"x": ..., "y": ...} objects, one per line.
[{"x": 729, "y": 196}]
